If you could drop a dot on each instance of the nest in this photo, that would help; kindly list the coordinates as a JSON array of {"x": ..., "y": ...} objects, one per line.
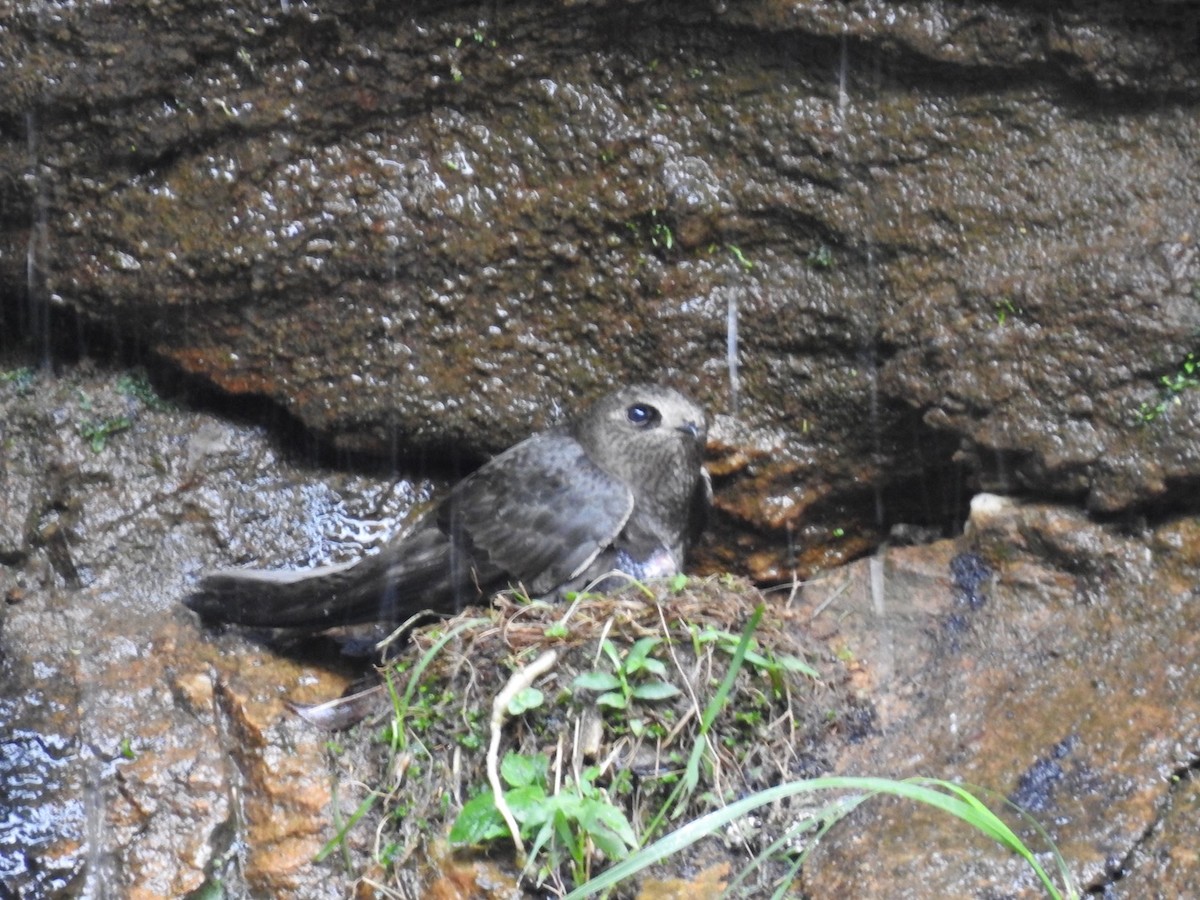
[{"x": 786, "y": 710}]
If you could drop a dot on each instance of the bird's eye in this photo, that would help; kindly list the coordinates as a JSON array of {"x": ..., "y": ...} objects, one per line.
[{"x": 643, "y": 415}]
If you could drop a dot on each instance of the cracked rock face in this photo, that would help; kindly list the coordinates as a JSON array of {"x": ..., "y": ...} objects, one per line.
[
  {"x": 958, "y": 243},
  {"x": 138, "y": 756},
  {"x": 1047, "y": 658},
  {"x": 1041, "y": 655}
]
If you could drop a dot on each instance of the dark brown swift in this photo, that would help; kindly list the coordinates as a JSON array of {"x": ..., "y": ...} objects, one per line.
[{"x": 620, "y": 488}]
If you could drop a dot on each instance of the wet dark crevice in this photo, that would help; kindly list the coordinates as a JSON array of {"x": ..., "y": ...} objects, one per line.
[
  {"x": 73, "y": 340},
  {"x": 1180, "y": 497},
  {"x": 1137, "y": 854},
  {"x": 918, "y": 493}
]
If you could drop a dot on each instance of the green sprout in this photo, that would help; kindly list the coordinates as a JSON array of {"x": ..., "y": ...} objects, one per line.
[
  {"x": 820, "y": 258},
  {"x": 97, "y": 431},
  {"x": 1004, "y": 308},
  {"x": 661, "y": 235},
  {"x": 657, "y": 232},
  {"x": 632, "y": 676},
  {"x": 1186, "y": 377},
  {"x": 21, "y": 379},
  {"x": 771, "y": 664},
  {"x": 570, "y": 824},
  {"x": 137, "y": 386},
  {"x": 741, "y": 258}
]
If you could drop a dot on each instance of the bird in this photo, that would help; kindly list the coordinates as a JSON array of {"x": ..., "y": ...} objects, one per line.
[{"x": 619, "y": 489}]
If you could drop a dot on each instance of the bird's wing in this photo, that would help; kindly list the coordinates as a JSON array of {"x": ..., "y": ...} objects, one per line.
[{"x": 539, "y": 512}]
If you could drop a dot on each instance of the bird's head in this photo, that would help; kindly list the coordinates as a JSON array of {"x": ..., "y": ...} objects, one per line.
[{"x": 643, "y": 432}]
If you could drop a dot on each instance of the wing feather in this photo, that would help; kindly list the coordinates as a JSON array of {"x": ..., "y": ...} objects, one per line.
[{"x": 540, "y": 512}]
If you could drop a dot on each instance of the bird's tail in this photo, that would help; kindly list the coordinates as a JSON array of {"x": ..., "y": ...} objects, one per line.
[{"x": 325, "y": 597}]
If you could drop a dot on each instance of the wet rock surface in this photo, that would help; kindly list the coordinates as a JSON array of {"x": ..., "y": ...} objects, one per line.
[
  {"x": 959, "y": 246},
  {"x": 1043, "y": 656},
  {"x": 958, "y": 240},
  {"x": 1064, "y": 677},
  {"x": 140, "y": 755}
]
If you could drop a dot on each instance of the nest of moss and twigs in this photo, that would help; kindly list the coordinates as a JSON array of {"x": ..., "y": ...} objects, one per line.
[{"x": 559, "y": 739}]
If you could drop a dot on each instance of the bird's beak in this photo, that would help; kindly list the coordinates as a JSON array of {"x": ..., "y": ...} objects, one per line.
[{"x": 691, "y": 429}]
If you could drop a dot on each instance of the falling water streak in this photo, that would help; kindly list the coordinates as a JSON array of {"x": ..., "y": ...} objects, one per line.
[
  {"x": 876, "y": 567},
  {"x": 870, "y": 280},
  {"x": 38, "y": 309},
  {"x": 1002, "y": 476},
  {"x": 886, "y": 634},
  {"x": 95, "y": 825},
  {"x": 232, "y": 870},
  {"x": 873, "y": 368},
  {"x": 843, "y": 71},
  {"x": 731, "y": 351}
]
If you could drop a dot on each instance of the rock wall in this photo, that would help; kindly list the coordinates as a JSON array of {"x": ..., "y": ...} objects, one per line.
[
  {"x": 957, "y": 240},
  {"x": 903, "y": 251}
]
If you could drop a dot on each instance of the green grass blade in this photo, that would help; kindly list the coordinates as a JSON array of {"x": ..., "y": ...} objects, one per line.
[
  {"x": 958, "y": 802},
  {"x": 692, "y": 773},
  {"x": 336, "y": 841},
  {"x": 414, "y": 678}
]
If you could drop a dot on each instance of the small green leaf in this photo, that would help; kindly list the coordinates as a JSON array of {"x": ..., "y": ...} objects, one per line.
[
  {"x": 710, "y": 634},
  {"x": 479, "y": 821},
  {"x": 529, "y": 804},
  {"x": 519, "y": 771},
  {"x": 608, "y": 843},
  {"x": 612, "y": 699},
  {"x": 543, "y": 835},
  {"x": 614, "y": 818},
  {"x": 597, "y": 681},
  {"x": 655, "y": 690},
  {"x": 98, "y": 433},
  {"x": 569, "y": 805},
  {"x": 757, "y": 660},
  {"x": 529, "y": 698},
  {"x": 213, "y": 889},
  {"x": 654, "y": 667},
  {"x": 639, "y": 651},
  {"x": 611, "y": 652},
  {"x": 795, "y": 664},
  {"x": 567, "y": 836},
  {"x": 678, "y": 583},
  {"x": 608, "y": 828}
]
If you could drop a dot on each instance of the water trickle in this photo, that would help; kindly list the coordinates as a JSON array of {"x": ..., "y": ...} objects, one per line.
[
  {"x": 38, "y": 309},
  {"x": 843, "y": 70},
  {"x": 869, "y": 355},
  {"x": 873, "y": 370},
  {"x": 887, "y": 648},
  {"x": 34, "y": 774},
  {"x": 731, "y": 350}
]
